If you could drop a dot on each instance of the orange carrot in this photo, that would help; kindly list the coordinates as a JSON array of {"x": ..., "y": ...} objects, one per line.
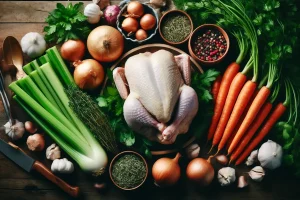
[
  {"x": 262, "y": 115},
  {"x": 228, "y": 76},
  {"x": 257, "y": 103},
  {"x": 241, "y": 103},
  {"x": 276, "y": 114},
  {"x": 216, "y": 87},
  {"x": 240, "y": 120},
  {"x": 234, "y": 90}
]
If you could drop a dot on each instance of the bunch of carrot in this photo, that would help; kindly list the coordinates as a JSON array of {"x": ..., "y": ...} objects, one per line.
[{"x": 241, "y": 108}]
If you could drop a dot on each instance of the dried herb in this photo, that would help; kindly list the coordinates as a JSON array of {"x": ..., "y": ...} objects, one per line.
[
  {"x": 129, "y": 171},
  {"x": 175, "y": 28},
  {"x": 90, "y": 114}
]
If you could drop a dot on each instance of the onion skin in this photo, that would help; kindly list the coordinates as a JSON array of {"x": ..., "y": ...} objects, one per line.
[
  {"x": 148, "y": 22},
  {"x": 130, "y": 24},
  {"x": 166, "y": 171},
  {"x": 135, "y": 9},
  {"x": 200, "y": 171},
  {"x": 88, "y": 74},
  {"x": 141, "y": 34},
  {"x": 105, "y": 44},
  {"x": 72, "y": 50}
]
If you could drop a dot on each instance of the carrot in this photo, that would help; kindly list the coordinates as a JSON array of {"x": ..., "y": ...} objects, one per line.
[
  {"x": 241, "y": 120},
  {"x": 241, "y": 103},
  {"x": 228, "y": 76},
  {"x": 276, "y": 114},
  {"x": 234, "y": 90},
  {"x": 262, "y": 115},
  {"x": 216, "y": 87},
  {"x": 257, "y": 103}
]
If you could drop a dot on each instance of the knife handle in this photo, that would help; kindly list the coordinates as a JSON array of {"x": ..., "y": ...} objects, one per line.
[{"x": 42, "y": 169}]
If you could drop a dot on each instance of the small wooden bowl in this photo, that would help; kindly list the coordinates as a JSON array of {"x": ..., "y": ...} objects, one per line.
[
  {"x": 120, "y": 155},
  {"x": 196, "y": 33},
  {"x": 174, "y": 12}
]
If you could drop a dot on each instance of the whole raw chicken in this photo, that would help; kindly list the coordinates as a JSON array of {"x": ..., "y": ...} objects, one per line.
[{"x": 159, "y": 103}]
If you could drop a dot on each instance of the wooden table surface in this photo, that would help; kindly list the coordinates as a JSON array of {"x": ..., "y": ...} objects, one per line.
[{"x": 18, "y": 18}]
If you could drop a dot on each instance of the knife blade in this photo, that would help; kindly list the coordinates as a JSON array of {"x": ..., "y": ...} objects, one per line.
[{"x": 29, "y": 164}]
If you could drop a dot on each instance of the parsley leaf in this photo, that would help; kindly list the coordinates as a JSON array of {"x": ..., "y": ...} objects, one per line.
[{"x": 65, "y": 23}]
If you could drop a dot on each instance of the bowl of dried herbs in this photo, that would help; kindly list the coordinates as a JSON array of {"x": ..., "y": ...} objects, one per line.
[
  {"x": 128, "y": 170},
  {"x": 175, "y": 27}
]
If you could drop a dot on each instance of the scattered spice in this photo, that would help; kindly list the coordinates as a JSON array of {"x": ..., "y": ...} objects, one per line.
[
  {"x": 175, "y": 28},
  {"x": 129, "y": 171},
  {"x": 210, "y": 45}
]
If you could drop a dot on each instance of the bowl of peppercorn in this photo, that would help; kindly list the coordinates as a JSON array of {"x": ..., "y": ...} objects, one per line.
[
  {"x": 175, "y": 27},
  {"x": 208, "y": 44},
  {"x": 128, "y": 170}
]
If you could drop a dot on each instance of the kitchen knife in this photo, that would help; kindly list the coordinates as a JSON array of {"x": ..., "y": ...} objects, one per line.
[{"x": 28, "y": 164}]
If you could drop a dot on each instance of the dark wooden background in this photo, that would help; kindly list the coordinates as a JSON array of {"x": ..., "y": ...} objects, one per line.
[{"x": 18, "y": 18}]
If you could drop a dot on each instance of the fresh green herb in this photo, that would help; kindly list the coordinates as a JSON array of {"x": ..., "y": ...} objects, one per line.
[
  {"x": 129, "y": 171},
  {"x": 66, "y": 23},
  {"x": 176, "y": 28},
  {"x": 90, "y": 114}
]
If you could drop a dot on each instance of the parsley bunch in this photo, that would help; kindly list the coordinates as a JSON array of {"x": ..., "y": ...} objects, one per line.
[{"x": 66, "y": 23}]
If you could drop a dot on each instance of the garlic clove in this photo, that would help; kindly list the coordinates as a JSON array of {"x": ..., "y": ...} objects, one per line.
[
  {"x": 192, "y": 151},
  {"x": 222, "y": 159},
  {"x": 252, "y": 158},
  {"x": 257, "y": 173},
  {"x": 242, "y": 182},
  {"x": 53, "y": 152}
]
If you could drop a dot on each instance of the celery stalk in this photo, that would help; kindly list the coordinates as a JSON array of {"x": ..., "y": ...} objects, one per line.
[
  {"x": 49, "y": 118},
  {"x": 39, "y": 96},
  {"x": 60, "y": 67},
  {"x": 55, "y": 83},
  {"x": 27, "y": 68}
]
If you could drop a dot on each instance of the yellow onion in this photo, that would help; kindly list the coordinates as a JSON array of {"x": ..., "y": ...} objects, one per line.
[
  {"x": 88, "y": 74},
  {"x": 105, "y": 44},
  {"x": 130, "y": 25},
  {"x": 166, "y": 171},
  {"x": 200, "y": 171},
  {"x": 135, "y": 9},
  {"x": 72, "y": 50},
  {"x": 148, "y": 22},
  {"x": 141, "y": 34}
]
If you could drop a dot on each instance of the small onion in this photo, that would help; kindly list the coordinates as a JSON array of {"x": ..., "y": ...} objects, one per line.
[
  {"x": 135, "y": 9},
  {"x": 88, "y": 74},
  {"x": 141, "y": 34},
  {"x": 200, "y": 171},
  {"x": 30, "y": 127},
  {"x": 166, "y": 171},
  {"x": 36, "y": 142},
  {"x": 130, "y": 25},
  {"x": 147, "y": 22},
  {"x": 111, "y": 14},
  {"x": 72, "y": 50}
]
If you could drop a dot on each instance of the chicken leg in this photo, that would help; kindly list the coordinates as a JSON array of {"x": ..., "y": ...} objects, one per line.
[{"x": 186, "y": 110}]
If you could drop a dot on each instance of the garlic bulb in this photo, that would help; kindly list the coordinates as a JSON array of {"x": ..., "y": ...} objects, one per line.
[
  {"x": 252, "y": 158},
  {"x": 62, "y": 166},
  {"x": 15, "y": 131},
  {"x": 192, "y": 151},
  {"x": 93, "y": 13},
  {"x": 257, "y": 173},
  {"x": 270, "y": 155},
  {"x": 226, "y": 176},
  {"x": 33, "y": 44},
  {"x": 53, "y": 152}
]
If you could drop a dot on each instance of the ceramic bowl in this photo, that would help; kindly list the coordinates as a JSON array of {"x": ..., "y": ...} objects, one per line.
[
  {"x": 119, "y": 156},
  {"x": 168, "y": 14},
  {"x": 151, "y": 33},
  {"x": 200, "y": 30}
]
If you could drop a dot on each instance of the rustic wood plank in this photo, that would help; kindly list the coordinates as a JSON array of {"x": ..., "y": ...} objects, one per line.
[{"x": 31, "y": 11}]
